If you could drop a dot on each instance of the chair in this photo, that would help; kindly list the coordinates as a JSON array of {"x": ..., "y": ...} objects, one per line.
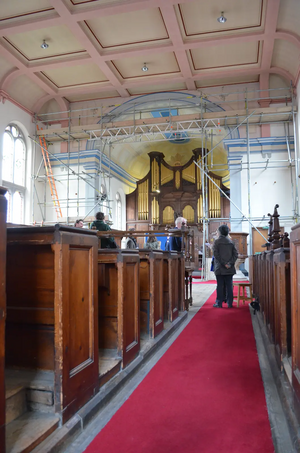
[{"x": 242, "y": 292}]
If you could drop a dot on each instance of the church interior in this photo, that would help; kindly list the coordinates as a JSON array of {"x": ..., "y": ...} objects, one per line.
[{"x": 149, "y": 112}]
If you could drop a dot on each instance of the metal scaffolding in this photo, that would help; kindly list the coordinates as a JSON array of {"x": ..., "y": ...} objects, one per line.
[{"x": 197, "y": 117}]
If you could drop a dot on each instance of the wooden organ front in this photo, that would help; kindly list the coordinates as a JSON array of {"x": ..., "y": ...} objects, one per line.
[{"x": 169, "y": 191}]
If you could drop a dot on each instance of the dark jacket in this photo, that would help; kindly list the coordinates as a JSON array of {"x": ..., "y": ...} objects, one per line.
[
  {"x": 102, "y": 226},
  {"x": 176, "y": 242},
  {"x": 225, "y": 252}
]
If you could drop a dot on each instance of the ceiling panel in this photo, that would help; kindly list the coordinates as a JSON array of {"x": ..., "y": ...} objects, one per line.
[
  {"x": 25, "y": 91},
  {"x": 155, "y": 88},
  {"x": 92, "y": 96},
  {"x": 225, "y": 55},
  {"x": 16, "y": 8},
  {"x": 286, "y": 55},
  {"x": 75, "y": 75},
  {"x": 5, "y": 67},
  {"x": 158, "y": 64},
  {"x": 208, "y": 82},
  {"x": 61, "y": 42},
  {"x": 136, "y": 27},
  {"x": 289, "y": 16},
  {"x": 199, "y": 18}
]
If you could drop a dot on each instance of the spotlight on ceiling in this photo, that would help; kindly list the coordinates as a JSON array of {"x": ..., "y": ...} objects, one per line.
[
  {"x": 222, "y": 19},
  {"x": 44, "y": 45},
  {"x": 145, "y": 68}
]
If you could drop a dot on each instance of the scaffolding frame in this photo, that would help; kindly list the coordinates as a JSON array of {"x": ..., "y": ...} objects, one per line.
[{"x": 109, "y": 131}]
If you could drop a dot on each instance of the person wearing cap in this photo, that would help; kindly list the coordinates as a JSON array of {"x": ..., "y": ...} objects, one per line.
[{"x": 225, "y": 254}]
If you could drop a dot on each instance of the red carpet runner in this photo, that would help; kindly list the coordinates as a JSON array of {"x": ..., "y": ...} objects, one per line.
[{"x": 204, "y": 395}]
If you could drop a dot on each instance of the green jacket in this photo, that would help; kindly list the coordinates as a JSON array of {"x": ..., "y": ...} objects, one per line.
[{"x": 102, "y": 226}]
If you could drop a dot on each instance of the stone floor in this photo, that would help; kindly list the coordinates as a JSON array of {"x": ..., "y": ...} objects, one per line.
[{"x": 284, "y": 441}]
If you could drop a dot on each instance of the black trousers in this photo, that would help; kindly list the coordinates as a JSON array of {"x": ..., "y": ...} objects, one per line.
[{"x": 224, "y": 280}]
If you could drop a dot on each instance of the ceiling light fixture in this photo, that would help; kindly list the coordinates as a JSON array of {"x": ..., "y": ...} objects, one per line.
[
  {"x": 44, "y": 45},
  {"x": 145, "y": 68},
  {"x": 222, "y": 19}
]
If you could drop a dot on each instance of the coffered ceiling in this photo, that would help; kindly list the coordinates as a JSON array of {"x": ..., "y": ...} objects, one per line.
[{"x": 96, "y": 48}]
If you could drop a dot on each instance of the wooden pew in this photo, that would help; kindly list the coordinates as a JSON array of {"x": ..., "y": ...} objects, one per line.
[
  {"x": 52, "y": 309},
  {"x": 271, "y": 284},
  {"x": 151, "y": 292},
  {"x": 295, "y": 308},
  {"x": 118, "y": 286},
  {"x": 173, "y": 284},
  {"x": 282, "y": 304},
  {"x": 3, "y": 206}
]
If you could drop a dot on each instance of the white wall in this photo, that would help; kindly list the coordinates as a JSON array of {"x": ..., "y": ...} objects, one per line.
[{"x": 83, "y": 191}]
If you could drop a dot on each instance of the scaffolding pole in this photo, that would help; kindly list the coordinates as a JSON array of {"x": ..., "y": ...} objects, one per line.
[
  {"x": 296, "y": 163},
  {"x": 249, "y": 179}
]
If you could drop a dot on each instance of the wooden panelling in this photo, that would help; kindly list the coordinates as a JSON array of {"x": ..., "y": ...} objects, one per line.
[
  {"x": 3, "y": 206},
  {"x": 30, "y": 306}
]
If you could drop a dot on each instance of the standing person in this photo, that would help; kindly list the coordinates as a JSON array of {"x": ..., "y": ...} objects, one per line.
[
  {"x": 225, "y": 254},
  {"x": 100, "y": 225},
  {"x": 176, "y": 241},
  {"x": 78, "y": 223}
]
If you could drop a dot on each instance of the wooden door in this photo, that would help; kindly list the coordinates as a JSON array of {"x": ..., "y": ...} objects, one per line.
[
  {"x": 128, "y": 306},
  {"x": 156, "y": 290},
  {"x": 2, "y": 314},
  {"x": 76, "y": 321}
]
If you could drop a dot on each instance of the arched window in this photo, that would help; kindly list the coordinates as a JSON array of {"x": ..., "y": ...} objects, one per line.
[
  {"x": 14, "y": 172},
  {"x": 118, "y": 211}
]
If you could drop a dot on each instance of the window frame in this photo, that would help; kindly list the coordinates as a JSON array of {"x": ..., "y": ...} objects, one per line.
[{"x": 11, "y": 186}]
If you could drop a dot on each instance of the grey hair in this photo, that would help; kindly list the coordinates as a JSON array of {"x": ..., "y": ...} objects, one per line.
[{"x": 180, "y": 220}]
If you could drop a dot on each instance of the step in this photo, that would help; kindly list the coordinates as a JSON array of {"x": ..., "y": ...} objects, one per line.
[
  {"x": 109, "y": 365},
  {"x": 36, "y": 385},
  {"x": 15, "y": 401},
  {"x": 29, "y": 430}
]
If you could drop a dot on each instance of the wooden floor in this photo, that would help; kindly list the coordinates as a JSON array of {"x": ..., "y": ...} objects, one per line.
[{"x": 29, "y": 430}]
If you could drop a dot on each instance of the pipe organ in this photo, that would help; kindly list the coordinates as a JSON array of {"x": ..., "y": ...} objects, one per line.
[{"x": 168, "y": 191}]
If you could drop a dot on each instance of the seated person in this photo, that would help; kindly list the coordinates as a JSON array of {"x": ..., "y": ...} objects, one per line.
[
  {"x": 176, "y": 241},
  {"x": 100, "y": 225},
  {"x": 152, "y": 243},
  {"x": 78, "y": 223},
  {"x": 131, "y": 239}
]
